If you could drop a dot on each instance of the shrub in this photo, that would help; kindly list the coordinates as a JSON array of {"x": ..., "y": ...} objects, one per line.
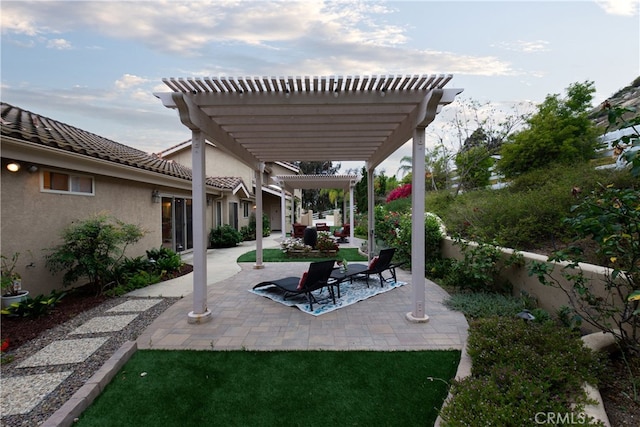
[
  {"x": 480, "y": 269},
  {"x": 139, "y": 279},
  {"x": 479, "y": 304},
  {"x": 92, "y": 248},
  {"x": 35, "y": 307},
  {"x": 224, "y": 236},
  {"x": 325, "y": 242},
  {"x": 529, "y": 213},
  {"x": 611, "y": 217},
  {"x": 394, "y": 228},
  {"x": 164, "y": 260},
  {"x": 248, "y": 232},
  {"x": 520, "y": 369},
  {"x": 294, "y": 244},
  {"x": 404, "y": 191}
]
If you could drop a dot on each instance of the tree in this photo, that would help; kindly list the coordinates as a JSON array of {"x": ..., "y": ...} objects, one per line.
[
  {"x": 360, "y": 191},
  {"x": 479, "y": 129},
  {"x": 474, "y": 165},
  {"x": 313, "y": 198},
  {"x": 436, "y": 167},
  {"x": 380, "y": 184},
  {"x": 559, "y": 132}
]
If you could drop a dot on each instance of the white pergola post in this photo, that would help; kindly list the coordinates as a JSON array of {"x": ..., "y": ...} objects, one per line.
[
  {"x": 344, "y": 209},
  {"x": 259, "y": 173},
  {"x": 293, "y": 210},
  {"x": 371, "y": 243},
  {"x": 351, "y": 221},
  {"x": 200, "y": 313},
  {"x": 283, "y": 214},
  {"x": 417, "y": 313}
]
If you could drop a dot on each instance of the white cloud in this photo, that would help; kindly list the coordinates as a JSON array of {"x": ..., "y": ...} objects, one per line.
[
  {"x": 525, "y": 46},
  {"x": 59, "y": 44},
  {"x": 619, "y": 7},
  {"x": 188, "y": 27},
  {"x": 128, "y": 81}
]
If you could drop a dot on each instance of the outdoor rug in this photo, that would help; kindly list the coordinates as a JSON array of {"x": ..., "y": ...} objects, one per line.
[{"x": 350, "y": 293}]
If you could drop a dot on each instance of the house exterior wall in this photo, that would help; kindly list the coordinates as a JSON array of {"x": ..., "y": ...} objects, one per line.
[
  {"x": 32, "y": 220},
  {"x": 217, "y": 163}
]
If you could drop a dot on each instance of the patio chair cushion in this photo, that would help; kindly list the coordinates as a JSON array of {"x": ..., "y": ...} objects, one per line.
[
  {"x": 303, "y": 279},
  {"x": 373, "y": 263}
]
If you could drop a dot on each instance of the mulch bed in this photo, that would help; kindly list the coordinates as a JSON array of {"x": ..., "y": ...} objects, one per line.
[{"x": 21, "y": 330}]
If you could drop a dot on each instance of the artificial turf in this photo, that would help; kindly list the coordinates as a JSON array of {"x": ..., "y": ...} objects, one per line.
[
  {"x": 276, "y": 255},
  {"x": 287, "y": 388}
]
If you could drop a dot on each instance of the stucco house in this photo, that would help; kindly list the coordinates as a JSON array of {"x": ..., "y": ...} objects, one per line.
[
  {"x": 65, "y": 174},
  {"x": 218, "y": 163}
]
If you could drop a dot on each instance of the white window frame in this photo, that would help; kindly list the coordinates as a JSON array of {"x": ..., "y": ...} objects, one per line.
[{"x": 70, "y": 178}]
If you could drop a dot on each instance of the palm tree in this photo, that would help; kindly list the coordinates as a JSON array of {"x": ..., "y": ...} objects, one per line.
[{"x": 436, "y": 165}]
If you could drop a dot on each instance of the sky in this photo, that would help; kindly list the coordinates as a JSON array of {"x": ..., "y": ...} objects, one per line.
[{"x": 96, "y": 64}]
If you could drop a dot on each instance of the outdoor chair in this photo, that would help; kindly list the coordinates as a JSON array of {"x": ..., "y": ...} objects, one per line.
[
  {"x": 317, "y": 277},
  {"x": 378, "y": 265},
  {"x": 343, "y": 233},
  {"x": 322, "y": 226},
  {"x": 298, "y": 230}
]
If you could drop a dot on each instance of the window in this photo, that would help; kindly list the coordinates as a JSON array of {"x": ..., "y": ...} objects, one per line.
[
  {"x": 57, "y": 182},
  {"x": 245, "y": 209}
]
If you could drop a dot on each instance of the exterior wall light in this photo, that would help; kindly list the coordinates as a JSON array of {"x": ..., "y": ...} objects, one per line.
[
  {"x": 155, "y": 196},
  {"x": 13, "y": 167}
]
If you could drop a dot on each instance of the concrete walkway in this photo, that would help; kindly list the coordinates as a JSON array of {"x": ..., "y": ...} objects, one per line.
[{"x": 242, "y": 320}]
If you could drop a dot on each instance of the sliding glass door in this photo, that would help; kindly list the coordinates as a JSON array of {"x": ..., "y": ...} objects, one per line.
[{"x": 177, "y": 223}]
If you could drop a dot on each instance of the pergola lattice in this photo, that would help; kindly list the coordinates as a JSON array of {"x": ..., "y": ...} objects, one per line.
[{"x": 352, "y": 118}]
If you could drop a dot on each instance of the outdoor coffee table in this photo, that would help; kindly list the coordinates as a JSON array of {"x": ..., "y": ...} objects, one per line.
[{"x": 340, "y": 276}]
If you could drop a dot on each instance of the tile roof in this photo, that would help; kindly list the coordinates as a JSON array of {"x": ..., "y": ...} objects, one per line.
[
  {"x": 27, "y": 126},
  {"x": 224, "y": 182}
]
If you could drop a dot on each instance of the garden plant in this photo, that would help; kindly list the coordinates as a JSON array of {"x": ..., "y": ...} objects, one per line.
[
  {"x": 92, "y": 249},
  {"x": 611, "y": 217}
]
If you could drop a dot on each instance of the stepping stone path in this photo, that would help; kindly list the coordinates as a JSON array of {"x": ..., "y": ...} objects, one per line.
[{"x": 20, "y": 394}]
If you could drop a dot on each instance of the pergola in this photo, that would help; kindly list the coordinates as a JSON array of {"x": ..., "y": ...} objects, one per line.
[
  {"x": 346, "y": 183},
  {"x": 352, "y": 118}
]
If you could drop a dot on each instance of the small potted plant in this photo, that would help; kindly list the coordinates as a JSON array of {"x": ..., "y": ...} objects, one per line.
[{"x": 11, "y": 281}]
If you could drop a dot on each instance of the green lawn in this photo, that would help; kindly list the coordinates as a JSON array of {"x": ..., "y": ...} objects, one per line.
[
  {"x": 287, "y": 388},
  {"x": 276, "y": 255}
]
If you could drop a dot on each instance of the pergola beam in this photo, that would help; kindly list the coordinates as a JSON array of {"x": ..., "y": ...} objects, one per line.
[{"x": 352, "y": 118}]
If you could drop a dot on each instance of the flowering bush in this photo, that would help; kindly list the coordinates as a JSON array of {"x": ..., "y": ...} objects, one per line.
[
  {"x": 294, "y": 244},
  {"x": 395, "y": 229},
  {"x": 399, "y": 193},
  {"x": 325, "y": 242}
]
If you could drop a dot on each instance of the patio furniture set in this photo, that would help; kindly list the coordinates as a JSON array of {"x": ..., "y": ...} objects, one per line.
[
  {"x": 341, "y": 234},
  {"x": 324, "y": 274}
]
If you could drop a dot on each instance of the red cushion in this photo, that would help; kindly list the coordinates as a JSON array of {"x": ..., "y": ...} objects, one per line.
[
  {"x": 373, "y": 263},
  {"x": 302, "y": 280}
]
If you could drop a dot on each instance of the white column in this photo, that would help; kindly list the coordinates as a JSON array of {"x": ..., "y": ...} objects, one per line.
[
  {"x": 351, "y": 220},
  {"x": 417, "y": 227},
  {"x": 259, "y": 173},
  {"x": 371, "y": 242},
  {"x": 344, "y": 209},
  {"x": 200, "y": 313},
  {"x": 283, "y": 214},
  {"x": 293, "y": 210}
]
